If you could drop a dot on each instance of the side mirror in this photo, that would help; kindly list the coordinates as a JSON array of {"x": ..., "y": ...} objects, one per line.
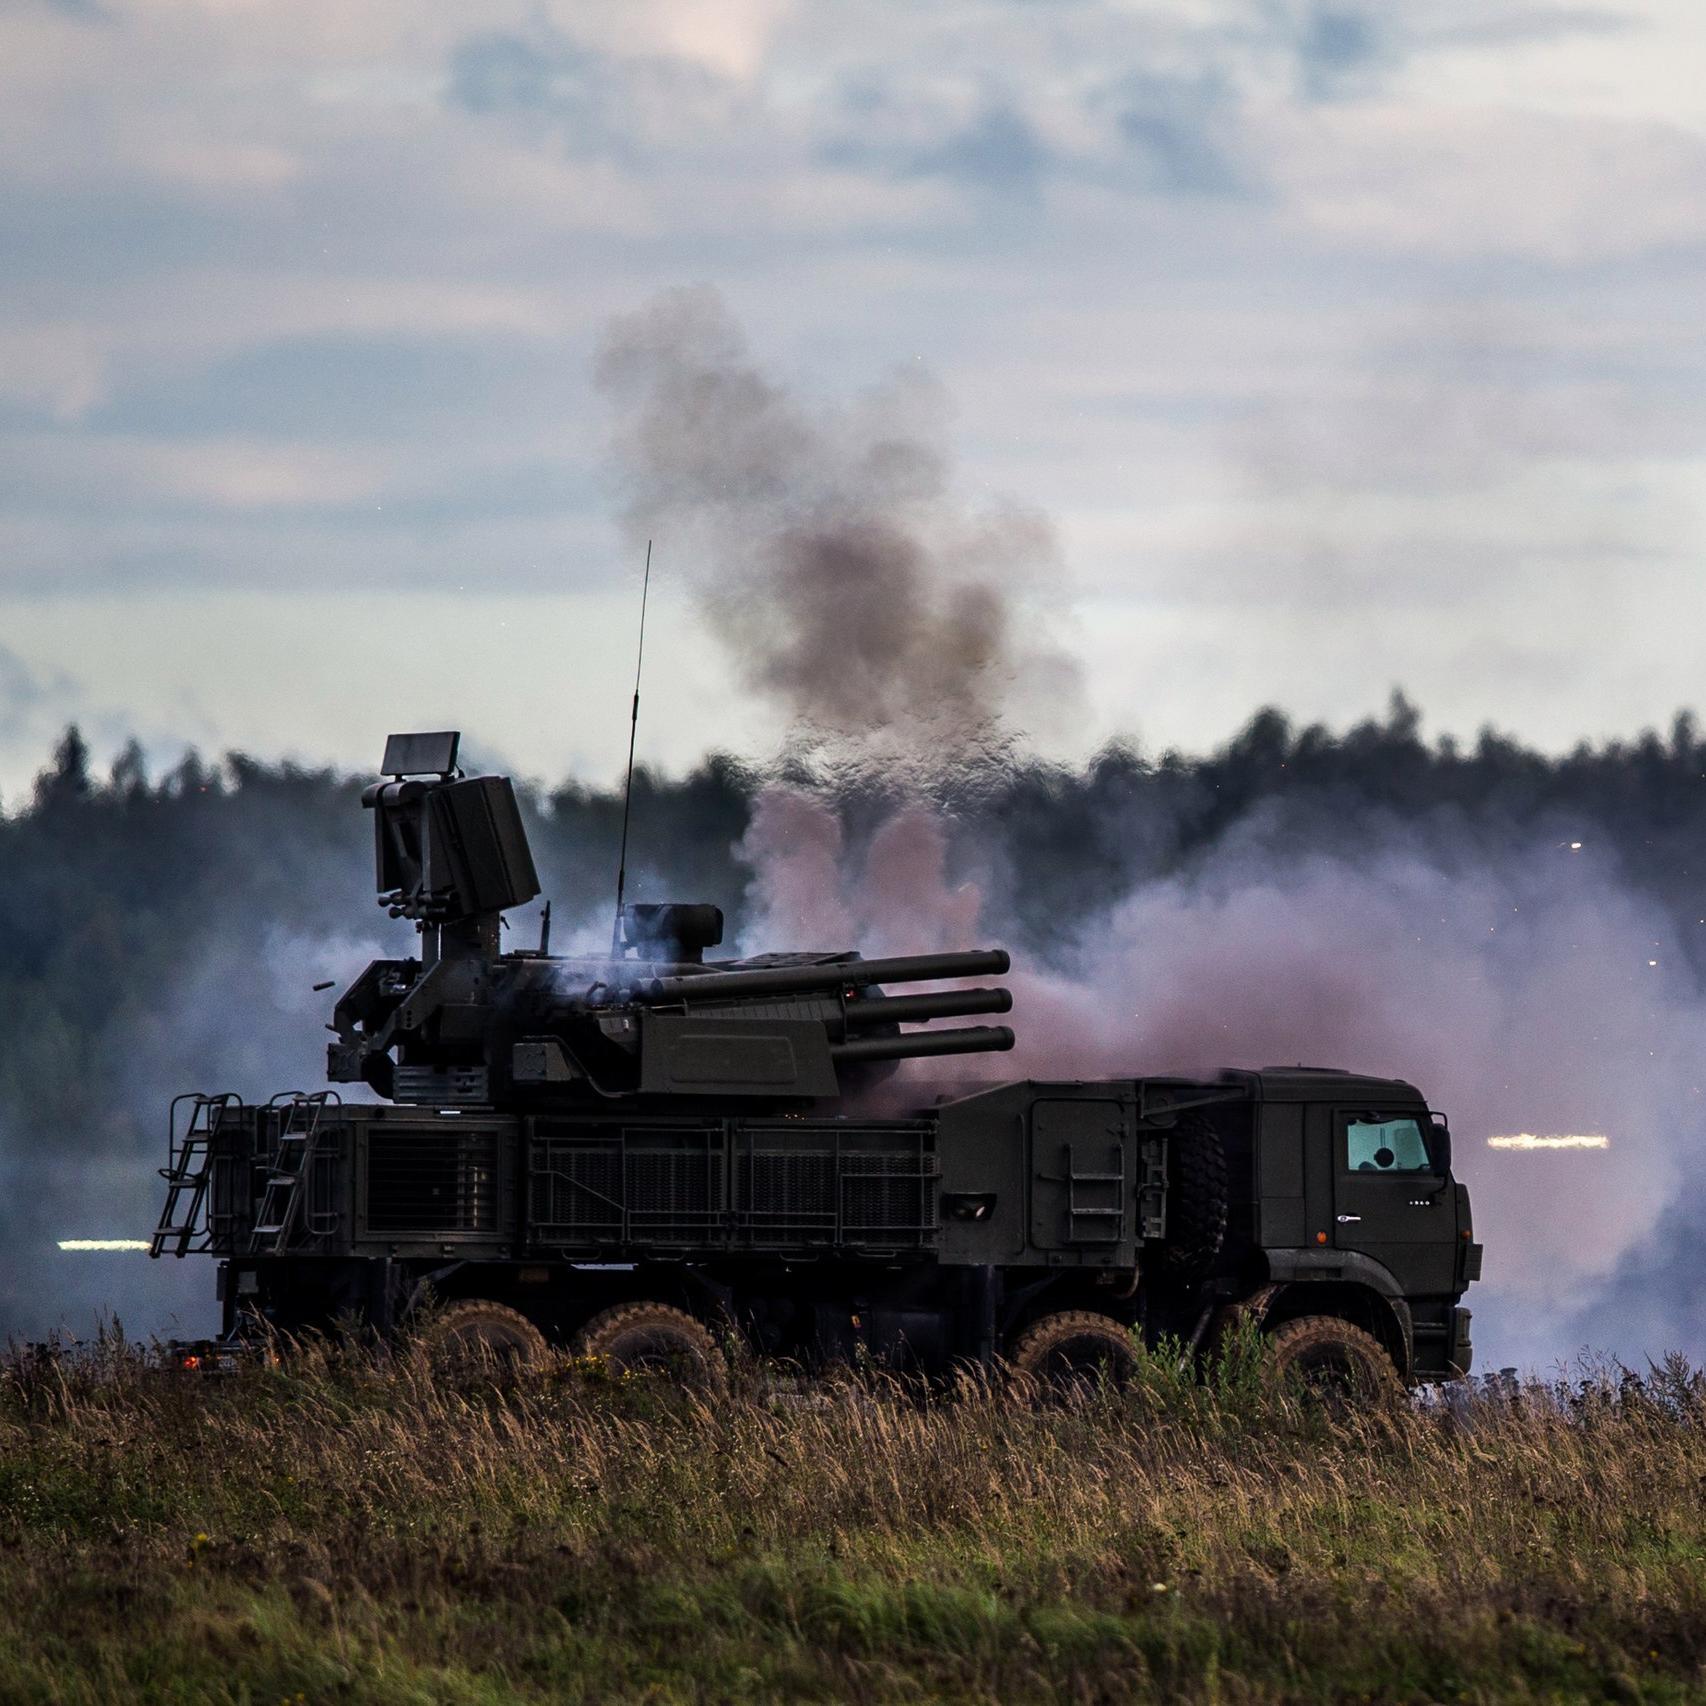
[{"x": 1439, "y": 1146}]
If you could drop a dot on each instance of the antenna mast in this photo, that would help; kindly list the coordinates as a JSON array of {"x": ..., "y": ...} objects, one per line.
[{"x": 628, "y": 788}]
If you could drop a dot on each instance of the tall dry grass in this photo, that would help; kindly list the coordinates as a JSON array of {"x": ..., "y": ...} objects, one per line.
[{"x": 346, "y": 1527}]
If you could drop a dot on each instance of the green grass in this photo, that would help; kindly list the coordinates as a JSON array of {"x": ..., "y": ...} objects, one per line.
[{"x": 345, "y": 1529}]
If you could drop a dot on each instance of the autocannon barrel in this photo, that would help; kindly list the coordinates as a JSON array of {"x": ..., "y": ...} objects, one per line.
[
  {"x": 915, "y": 1045},
  {"x": 786, "y": 980},
  {"x": 914, "y": 1009}
]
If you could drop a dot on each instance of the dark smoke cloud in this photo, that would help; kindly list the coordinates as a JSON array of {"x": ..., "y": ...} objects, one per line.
[{"x": 850, "y": 583}]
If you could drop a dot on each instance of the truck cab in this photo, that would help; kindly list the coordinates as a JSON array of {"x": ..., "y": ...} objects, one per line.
[{"x": 1342, "y": 1199}]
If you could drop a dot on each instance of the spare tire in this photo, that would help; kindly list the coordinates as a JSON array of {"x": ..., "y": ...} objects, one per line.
[
  {"x": 653, "y": 1338},
  {"x": 1196, "y": 1198}
]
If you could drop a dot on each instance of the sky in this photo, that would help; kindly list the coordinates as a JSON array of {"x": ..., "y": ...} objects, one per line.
[{"x": 1343, "y": 345}]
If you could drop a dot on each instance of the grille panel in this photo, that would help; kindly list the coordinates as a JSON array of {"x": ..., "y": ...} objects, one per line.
[
  {"x": 577, "y": 1193},
  {"x": 432, "y": 1182},
  {"x": 887, "y": 1194},
  {"x": 755, "y": 1187}
]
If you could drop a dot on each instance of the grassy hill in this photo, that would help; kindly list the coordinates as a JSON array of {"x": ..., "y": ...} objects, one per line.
[{"x": 344, "y": 1529}]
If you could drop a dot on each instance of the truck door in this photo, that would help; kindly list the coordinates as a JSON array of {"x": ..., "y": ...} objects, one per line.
[{"x": 1392, "y": 1195}]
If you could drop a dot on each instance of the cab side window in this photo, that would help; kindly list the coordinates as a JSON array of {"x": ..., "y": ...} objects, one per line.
[{"x": 1385, "y": 1146}]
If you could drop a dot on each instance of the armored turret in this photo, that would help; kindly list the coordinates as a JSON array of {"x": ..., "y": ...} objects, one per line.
[{"x": 467, "y": 1025}]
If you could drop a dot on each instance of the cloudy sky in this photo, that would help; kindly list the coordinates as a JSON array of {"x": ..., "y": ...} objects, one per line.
[{"x": 1346, "y": 345}]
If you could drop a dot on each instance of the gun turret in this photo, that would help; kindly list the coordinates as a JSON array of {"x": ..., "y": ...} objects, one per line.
[{"x": 467, "y": 1025}]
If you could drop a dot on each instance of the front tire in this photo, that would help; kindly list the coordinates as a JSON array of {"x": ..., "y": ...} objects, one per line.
[{"x": 1337, "y": 1363}]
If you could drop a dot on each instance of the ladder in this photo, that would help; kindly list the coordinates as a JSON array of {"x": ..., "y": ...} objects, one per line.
[
  {"x": 297, "y": 1115},
  {"x": 1095, "y": 1213},
  {"x": 186, "y": 1173}
]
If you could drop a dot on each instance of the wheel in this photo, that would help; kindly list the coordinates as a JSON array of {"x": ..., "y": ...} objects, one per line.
[
  {"x": 474, "y": 1334},
  {"x": 1196, "y": 1198},
  {"x": 653, "y": 1338},
  {"x": 1335, "y": 1361},
  {"x": 1074, "y": 1349}
]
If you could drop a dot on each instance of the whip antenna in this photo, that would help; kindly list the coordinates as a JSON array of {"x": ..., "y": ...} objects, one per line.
[{"x": 628, "y": 788}]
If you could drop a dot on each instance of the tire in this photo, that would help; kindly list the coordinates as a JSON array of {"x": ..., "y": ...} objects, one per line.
[
  {"x": 474, "y": 1334},
  {"x": 1196, "y": 1198},
  {"x": 653, "y": 1338},
  {"x": 1075, "y": 1349},
  {"x": 1338, "y": 1363}
]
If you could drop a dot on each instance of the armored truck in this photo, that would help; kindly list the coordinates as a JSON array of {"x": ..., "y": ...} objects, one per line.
[{"x": 651, "y": 1158}]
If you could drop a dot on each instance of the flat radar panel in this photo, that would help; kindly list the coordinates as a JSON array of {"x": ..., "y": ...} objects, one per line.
[{"x": 421, "y": 754}]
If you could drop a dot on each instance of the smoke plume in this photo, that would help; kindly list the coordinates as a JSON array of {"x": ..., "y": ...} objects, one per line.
[{"x": 851, "y": 585}]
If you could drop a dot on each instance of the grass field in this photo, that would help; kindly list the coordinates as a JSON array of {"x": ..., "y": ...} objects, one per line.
[{"x": 341, "y": 1529}]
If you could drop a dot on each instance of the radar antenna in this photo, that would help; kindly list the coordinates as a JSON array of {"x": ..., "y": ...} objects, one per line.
[{"x": 628, "y": 787}]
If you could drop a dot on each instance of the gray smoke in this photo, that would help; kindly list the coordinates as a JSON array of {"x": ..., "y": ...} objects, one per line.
[
  {"x": 882, "y": 613},
  {"x": 894, "y": 897}
]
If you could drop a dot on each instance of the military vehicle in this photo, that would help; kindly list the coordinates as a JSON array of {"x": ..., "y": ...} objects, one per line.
[{"x": 651, "y": 1156}]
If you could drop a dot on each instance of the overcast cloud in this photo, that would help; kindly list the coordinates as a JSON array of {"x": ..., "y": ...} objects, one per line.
[{"x": 1345, "y": 345}]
